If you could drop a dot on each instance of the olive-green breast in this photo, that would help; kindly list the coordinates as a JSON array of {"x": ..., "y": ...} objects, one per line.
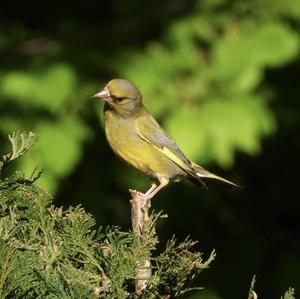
[{"x": 123, "y": 138}]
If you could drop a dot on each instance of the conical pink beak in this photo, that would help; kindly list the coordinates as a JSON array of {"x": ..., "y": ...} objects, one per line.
[{"x": 103, "y": 94}]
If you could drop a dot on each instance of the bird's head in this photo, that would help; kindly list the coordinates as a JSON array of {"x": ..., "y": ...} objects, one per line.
[{"x": 122, "y": 96}]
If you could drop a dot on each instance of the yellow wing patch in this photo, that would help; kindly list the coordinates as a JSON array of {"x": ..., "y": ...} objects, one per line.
[{"x": 168, "y": 153}]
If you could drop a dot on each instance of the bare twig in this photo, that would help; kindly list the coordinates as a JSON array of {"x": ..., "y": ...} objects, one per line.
[
  {"x": 252, "y": 294},
  {"x": 141, "y": 226}
]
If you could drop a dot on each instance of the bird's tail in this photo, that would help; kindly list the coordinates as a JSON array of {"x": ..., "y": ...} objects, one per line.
[{"x": 203, "y": 173}]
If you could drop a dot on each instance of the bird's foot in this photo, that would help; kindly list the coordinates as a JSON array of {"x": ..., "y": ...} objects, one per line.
[
  {"x": 141, "y": 197},
  {"x": 136, "y": 193}
]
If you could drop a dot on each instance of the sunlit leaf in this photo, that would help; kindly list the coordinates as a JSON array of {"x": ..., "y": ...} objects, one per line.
[
  {"x": 47, "y": 89},
  {"x": 220, "y": 127},
  {"x": 58, "y": 150}
]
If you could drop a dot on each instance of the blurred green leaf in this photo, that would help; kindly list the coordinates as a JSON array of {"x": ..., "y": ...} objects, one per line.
[
  {"x": 45, "y": 89},
  {"x": 58, "y": 150},
  {"x": 62, "y": 136},
  {"x": 249, "y": 46},
  {"x": 207, "y": 96},
  {"x": 220, "y": 126}
]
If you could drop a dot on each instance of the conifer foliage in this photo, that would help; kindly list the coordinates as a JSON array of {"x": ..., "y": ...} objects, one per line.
[{"x": 51, "y": 252}]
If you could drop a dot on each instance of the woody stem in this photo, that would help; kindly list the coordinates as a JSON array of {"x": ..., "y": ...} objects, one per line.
[{"x": 141, "y": 224}]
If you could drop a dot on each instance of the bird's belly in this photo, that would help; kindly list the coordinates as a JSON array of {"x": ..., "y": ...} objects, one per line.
[{"x": 141, "y": 155}]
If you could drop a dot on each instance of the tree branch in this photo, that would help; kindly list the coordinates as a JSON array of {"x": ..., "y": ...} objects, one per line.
[{"x": 141, "y": 226}]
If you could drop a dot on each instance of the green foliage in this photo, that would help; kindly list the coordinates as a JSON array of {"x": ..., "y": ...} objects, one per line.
[
  {"x": 221, "y": 76},
  {"x": 20, "y": 143},
  {"x": 204, "y": 79},
  {"x": 48, "y": 89},
  {"x": 207, "y": 76},
  {"x": 289, "y": 294},
  {"x": 67, "y": 132},
  {"x": 178, "y": 266},
  {"x": 48, "y": 96},
  {"x": 49, "y": 252}
]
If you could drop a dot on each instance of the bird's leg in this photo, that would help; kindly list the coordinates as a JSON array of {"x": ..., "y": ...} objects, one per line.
[
  {"x": 150, "y": 192},
  {"x": 155, "y": 188},
  {"x": 146, "y": 201}
]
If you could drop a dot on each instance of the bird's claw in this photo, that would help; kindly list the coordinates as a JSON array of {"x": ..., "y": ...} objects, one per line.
[{"x": 137, "y": 195}]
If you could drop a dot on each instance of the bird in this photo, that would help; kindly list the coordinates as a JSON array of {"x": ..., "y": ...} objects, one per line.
[{"x": 136, "y": 137}]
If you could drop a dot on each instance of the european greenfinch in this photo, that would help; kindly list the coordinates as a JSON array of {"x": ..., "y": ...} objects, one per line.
[{"x": 136, "y": 137}]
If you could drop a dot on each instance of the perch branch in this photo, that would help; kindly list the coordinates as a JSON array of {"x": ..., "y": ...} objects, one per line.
[{"x": 141, "y": 226}]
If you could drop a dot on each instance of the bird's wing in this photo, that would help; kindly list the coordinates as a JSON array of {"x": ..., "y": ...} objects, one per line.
[{"x": 150, "y": 131}]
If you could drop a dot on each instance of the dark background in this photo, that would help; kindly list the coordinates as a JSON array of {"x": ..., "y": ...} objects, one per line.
[{"x": 255, "y": 229}]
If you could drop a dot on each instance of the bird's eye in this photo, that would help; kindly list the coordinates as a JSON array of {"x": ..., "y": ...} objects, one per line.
[{"x": 117, "y": 99}]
